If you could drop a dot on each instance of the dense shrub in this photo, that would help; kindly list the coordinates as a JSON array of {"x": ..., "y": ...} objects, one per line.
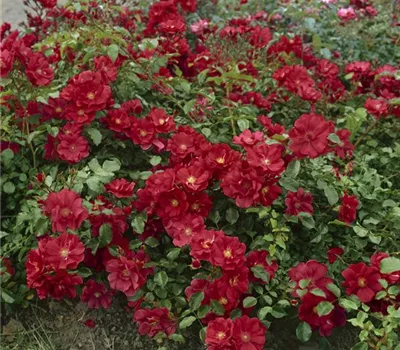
[{"x": 218, "y": 165}]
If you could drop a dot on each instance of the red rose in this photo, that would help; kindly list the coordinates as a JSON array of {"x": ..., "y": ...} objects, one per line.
[
  {"x": 153, "y": 321},
  {"x": 172, "y": 204},
  {"x": 378, "y": 108},
  {"x": 236, "y": 281},
  {"x": 270, "y": 127},
  {"x": 309, "y": 136},
  {"x": 248, "y": 333},
  {"x": 120, "y": 188},
  {"x": 132, "y": 107},
  {"x": 39, "y": 71},
  {"x": 220, "y": 157},
  {"x": 345, "y": 148},
  {"x": 299, "y": 202},
  {"x": 66, "y": 210},
  {"x": 259, "y": 258},
  {"x": 142, "y": 133},
  {"x": 268, "y": 158},
  {"x": 6, "y": 62},
  {"x": 348, "y": 208},
  {"x": 181, "y": 144},
  {"x": 313, "y": 272},
  {"x": 107, "y": 68},
  {"x": 125, "y": 275},
  {"x": 194, "y": 178},
  {"x": 219, "y": 334},
  {"x": 72, "y": 148},
  {"x": 333, "y": 254},
  {"x": 64, "y": 252},
  {"x": 199, "y": 203},
  {"x": 163, "y": 123},
  {"x": 90, "y": 323},
  {"x": 269, "y": 192},
  {"x": 118, "y": 120},
  {"x": 228, "y": 252},
  {"x": 362, "y": 280},
  {"x": 182, "y": 230},
  {"x": 376, "y": 261},
  {"x": 96, "y": 295},
  {"x": 202, "y": 243},
  {"x": 248, "y": 138}
]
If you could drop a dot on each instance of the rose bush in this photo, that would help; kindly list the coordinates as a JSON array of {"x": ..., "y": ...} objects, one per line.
[{"x": 217, "y": 165}]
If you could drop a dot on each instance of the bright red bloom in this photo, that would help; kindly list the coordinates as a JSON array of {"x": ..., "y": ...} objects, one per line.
[
  {"x": 193, "y": 178},
  {"x": 197, "y": 285},
  {"x": 376, "y": 261},
  {"x": 327, "y": 69},
  {"x": 260, "y": 258},
  {"x": 153, "y": 321},
  {"x": 378, "y": 108},
  {"x": 142, "y": 133},
  {"x": 260, "y": 37},
  {"x": 243, "y": 184},
  {"x": 228, "y": 252},
  {"x": 248, "y": 138},
  {"x": 59, "y": 286},
  {"x": 160, "y": 182},
  {"x": 312, "y": 271},
  {"x": 73, "y": 148},
  {"x": 181, "y": 144},
  {"x": 219, "y": 334},
  {"x": 248, "y": 333},
  {"x": 267, "y": 158},
  {"x": 132, "y": 106},
  {"x": 172, "y": 204},
  {"x": 182, "y": 230},
  {"x": 125, "y": 275},
  {"x": 348, "y": 208},
  {"x": 199, "y": 203},
  {"x": 107, "y": 68},
  {"x": 202, "y": 243},
  {"x": 118, "y": 120},
  {"x": 6, "y": 62},
  {"x": 333, "y": 254},
  {"x": 299, "y": 202},
  {"x": 163, "y": 123},
  {"x": 88, "y": 91},
  {"x": 269, "y": 192},
  {"x": 309, "y": 136},
  {"x": 89, "y": 323},
  {"x": 66, "y": 210},
  {"x": 120, "y": 188},
  {"x": 236, "y": 281},
  {"x": 362, "y": 280},
  {"x": 270, "y": 127},
  {"x": 39, "y": 71},
  {"x": 64, "y": 252},
  {"x": 220, "y": 157},
  {"x": 96, "y": 295}
]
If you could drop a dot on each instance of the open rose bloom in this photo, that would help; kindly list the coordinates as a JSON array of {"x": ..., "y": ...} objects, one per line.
[{"x": 207, "y": 167}]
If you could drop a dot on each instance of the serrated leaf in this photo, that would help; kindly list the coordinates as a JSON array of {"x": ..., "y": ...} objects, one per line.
[
  {"x": 304, "y": 332},
  {"x": 187, "y": 322}
]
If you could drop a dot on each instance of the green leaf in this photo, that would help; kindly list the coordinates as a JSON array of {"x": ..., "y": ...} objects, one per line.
[
  {"x": 111, "y": 165},
  {"x": 105, "y": 236},
  {"x": 389, "y": 265},
  {"x": 348, "y": 304},
  {"x": 138, "y": 223},
  {"x": 195, "y": 300},
  {"x": 278, "y": 312},
  {"x": 84, "y": 272},
  {"x": 293, "y": 169},
  {"x": 7, "y": 155},
  {"x": 161, "y": 278},
  {"x": 113, "y": 51},
  {"x": 304, "y": 283},
  {"x": 324, "y": 308},
  {"x": 152, "y": 242},
  {"x": 318, "y": 292},
  {"x": 331, "y": 195},
  {"x": 232, "y": 215},
  {"x": 360, "y": 346},
  {"x": 263, "y": 312},
  {"x": 173, "y": 254},
  {"x": 259, "y": 272},
  {"x": 249, "y": 302},
  {"x": 308, "y": 221},
  {"x": 95, "y": 135},
  {"x": 243, "y": 124},
  {"x": 334, "y": 289},
  {"x": 8, "y": 187},
  {"x": 7, "y": 296},
  {"x": 217, "y": 308},
  {"x": 155, "y": 160},
  {"x": 203, "y": 311},
  {"x": 303, "y": 332},
  {"x": 186, "y": 322},
  {"x": 177, "y": 338}
]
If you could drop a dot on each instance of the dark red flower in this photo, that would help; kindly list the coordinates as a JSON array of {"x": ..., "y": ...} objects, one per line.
[
  {"x": 236, "y": 281},
  {"x": 333, "y": 254},
  {"x": 228, "y": 252},
  {"x": 345, "y": 148},
  {"x": 118, "y": 120},
  {"x": 362, "y": 280},
  {"x": 153, "y": 321},
  {"x": 220, "y": 157},
  {"x": 107, "y": 68},
  {"x": 202, "y": 243},
  {"x": 125, "y": 275},
  {"x": 66, "y": 210},
  {"x": 378, "y": 108},
  {"x": 376, "y": 261},
  {"x": 269, "y": 192},
  {"x": 96, "y": 295},
  {"x": 270, "y": 127},
  {"x": 248, "y": 333},
  {"x": 219, "y": 334},
  {"x": 64, "y": 252},
  {"x": 194, "y": 178},
  {"x": 183, "y": 229},
  {"x": 172, "y": 204},
  {"x": 142, "y": 133},
  {"x": 162, "y": 122},
  {"x": 39, "y": 71},
  {"x": 90, "y": 323},
  {"x": 132, "y": 107},
  {"x": 299, "y": 202},
  {"x": 6, "y": 62},
  {"x": 120, "y": 188},
  {"x": 348, "y": 208},
  {"x": 248, "y": 138},
  {"x": 309, "y": 136},
  {"x": 268, "y": 158},
  {"x": 181, "y": 144},
  {"x": 73, "y": 148},
  {"x": 261, "y": 258}
]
